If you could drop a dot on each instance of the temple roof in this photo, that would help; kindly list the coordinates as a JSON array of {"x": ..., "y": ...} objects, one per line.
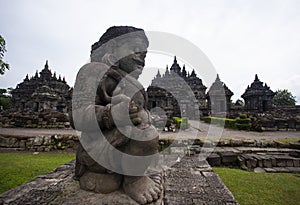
[
  {"x": 257, "y": 88},
  {"x": 46, "y": 74},
  {"x": 171, "y": 79},
  {"x": 219, "y": 88},
  {"x": 175, "y": 67},
  {"x": 29, "y": 85}
]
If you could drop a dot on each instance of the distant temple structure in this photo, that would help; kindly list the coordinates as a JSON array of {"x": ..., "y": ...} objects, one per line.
[
  {"x": 42, "y": 92},
  {"x": 258, "y": 97},
  {"x": 176, "y": 82},
  {"x": 177, "y": 92},
  {"x": 219, "y": 96}
]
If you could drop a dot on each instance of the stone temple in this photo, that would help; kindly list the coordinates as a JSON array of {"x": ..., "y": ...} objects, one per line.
[
  {"x": 219, "y": 97},
  {"x": 172, "y": 83},
  {"x": 258, "y": 97},
  {"x": 42, "y": 92}
]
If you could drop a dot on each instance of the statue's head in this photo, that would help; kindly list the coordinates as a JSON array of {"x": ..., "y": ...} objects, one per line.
[{"x": 125, "y": 46}]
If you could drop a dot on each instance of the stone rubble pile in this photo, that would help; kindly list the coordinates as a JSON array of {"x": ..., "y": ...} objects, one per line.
[
  {"x": 34, "y": 120},
  {"x": 38, "y": 143}
]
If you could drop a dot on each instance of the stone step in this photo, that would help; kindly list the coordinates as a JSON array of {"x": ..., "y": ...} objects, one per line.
[
  {"x": 295, "y": 170},
  {"x": 192, "y": 181},
  {"x": 249, "y": 158}
]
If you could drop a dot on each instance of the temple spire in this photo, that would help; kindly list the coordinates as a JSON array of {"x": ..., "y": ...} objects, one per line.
[
  {"x": 193, "y": 74},
  {"x": 175, "y": 60},
  {"x": 256, "y": 78},
  {"x": 36, "y": 74},
  {"x": 54, "y": 76},
  {"x": 218, "y": 78},
  {"x": 167, "y": 70},
  {"x": 158, "y": 74},
  {"x": 183, "y": 71},
  {"x": 46, "y": 65},
  {"x": 26, "y": 78}
]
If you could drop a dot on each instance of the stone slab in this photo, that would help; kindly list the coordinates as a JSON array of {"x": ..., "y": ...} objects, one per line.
[{"x": 59, "y": 187}]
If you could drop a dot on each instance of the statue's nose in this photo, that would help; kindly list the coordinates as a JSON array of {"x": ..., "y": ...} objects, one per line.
[{"x": 142, "y": 54}]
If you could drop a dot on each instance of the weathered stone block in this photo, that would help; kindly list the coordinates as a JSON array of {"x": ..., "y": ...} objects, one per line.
[
  {"x": 296, "y": 162},
  {"x": 273, "y": 160},
  {"x": 295, "y": 145},
  {"x": 259, "y": 170},
  {"x": 214, "y": 159},
  {"x": 281, "y": 169},
  {"x": 295, "y": 170},
  {"x": 228, "y": 158},
  {"x": 38, "y": 141},
  {"x": 22, "y": 144},
  {"x": 236, "y": 142},
  {"x": 270, "y": 170},
  {"x": 267, "y": 163},
  {"x": 280, "y": 161},
  {"x": 8, "y": 141},
  {"x": 249, "y": 143}
]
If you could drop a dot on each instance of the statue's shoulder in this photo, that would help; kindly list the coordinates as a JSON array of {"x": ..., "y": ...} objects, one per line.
[{"x": 93, "y": 69}]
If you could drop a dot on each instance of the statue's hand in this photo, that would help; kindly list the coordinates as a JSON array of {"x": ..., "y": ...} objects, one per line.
[
  {"x": 121, "y": 108},
  {"x": 134, "y": 114}
]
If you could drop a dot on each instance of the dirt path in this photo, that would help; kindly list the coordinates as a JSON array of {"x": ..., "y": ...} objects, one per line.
[{"x": 198, "y": 130}]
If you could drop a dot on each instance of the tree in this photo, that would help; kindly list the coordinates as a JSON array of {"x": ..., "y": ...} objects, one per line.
[
  {"x": 3, "y": 65},
  {"x": 284, "y": 98},
  {"x": 5, "y": 100},
  {"x": 239, "y": 102}
]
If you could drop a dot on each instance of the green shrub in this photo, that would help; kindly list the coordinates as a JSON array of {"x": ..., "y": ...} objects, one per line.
[
  {"x": 206, "y": 119},
  {"x": 226, "y": 122},
  {"x": 243, "y": 121},
  {"x": 230, "y": 123},
  {"x": 177, "y": 121},
  {"x": 243, "y": 126},
  {"x": 184, "y": 123},
  {"x": 5, "y": 103},
  {"x": 243, "y": 116}
]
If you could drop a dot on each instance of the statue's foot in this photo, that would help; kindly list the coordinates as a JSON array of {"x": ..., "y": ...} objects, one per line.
[{"x": 142, "y": 189}]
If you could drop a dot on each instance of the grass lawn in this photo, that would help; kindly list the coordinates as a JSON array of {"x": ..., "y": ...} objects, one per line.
[
  {"x": 261, "y": 188},
  {"x": 18, "y": 168}
]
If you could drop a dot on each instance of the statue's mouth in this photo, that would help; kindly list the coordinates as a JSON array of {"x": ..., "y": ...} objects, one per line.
[{"x": 139, "y": 62}]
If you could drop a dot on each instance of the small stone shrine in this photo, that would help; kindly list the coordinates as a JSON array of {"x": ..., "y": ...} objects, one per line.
[
  {"x": 258, "y": 97},
  {"x": 219, "y": 96},
  {"x": 42, "y": 92}
]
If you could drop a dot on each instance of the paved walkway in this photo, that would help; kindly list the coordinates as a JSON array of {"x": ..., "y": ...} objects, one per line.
[
  {"x": 192, "y": 181},
  {"x": 202, "y": 130},
  {"x": 197, "y": 130}
]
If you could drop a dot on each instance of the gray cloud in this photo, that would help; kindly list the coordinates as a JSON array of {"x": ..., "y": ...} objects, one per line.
[{"x": 241, "y": 38}]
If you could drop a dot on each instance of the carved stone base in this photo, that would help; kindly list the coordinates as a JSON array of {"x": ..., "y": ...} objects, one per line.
[{"x": 100, "y": 183}]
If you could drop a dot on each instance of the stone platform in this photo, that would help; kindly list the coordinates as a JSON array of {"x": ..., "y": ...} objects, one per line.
[{"x": 190, "y": 181}]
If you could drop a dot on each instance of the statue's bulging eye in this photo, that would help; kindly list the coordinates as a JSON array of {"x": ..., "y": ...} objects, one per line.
[{"x": 137, "y": 50}]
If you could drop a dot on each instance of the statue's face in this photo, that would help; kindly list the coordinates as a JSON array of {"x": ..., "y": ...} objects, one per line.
[{"x": 134, "y": 51}]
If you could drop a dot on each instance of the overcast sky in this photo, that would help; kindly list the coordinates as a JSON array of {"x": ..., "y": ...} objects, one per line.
[{"x": 240, "y": 38}]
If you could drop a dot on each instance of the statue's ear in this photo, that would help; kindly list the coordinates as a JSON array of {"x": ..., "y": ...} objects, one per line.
[{"x": 110, "y": 59}]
